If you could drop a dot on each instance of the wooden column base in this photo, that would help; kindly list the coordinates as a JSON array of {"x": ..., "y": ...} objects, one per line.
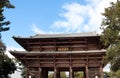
[
  {"x": 71, "y": 73},
  {"x": 87, "y": 72},
  {"x": 101, "y": 72}
]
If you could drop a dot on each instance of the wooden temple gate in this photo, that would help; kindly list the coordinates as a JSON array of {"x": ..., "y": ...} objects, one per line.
[{"x": 62, "y": 52}]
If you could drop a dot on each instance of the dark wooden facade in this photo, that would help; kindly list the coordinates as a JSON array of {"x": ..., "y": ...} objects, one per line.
[{"x": 62, "y": 52}]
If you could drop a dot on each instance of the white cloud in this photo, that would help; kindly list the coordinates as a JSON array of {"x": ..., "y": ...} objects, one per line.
[
  {"x": 36, "y": 30},
  {"x": 86, "y": 28},
  {"x": 82, "y": 18},
  {"x": 78, "y": 18},
  {"x": 73, "y": 15},
  {"x": 12, "y": 49},
  {"x": 95, "y": 13}
]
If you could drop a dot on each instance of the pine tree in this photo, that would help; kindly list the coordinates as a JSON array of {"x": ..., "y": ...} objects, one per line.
[
  {"x": 111, "y": 34},
  {"x": 4, "y": 3},
  {"x": 7, "y": 65}
]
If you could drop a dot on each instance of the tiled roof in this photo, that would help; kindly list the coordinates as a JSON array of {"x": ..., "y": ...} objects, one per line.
[
  {"x": 89, "y": 34},
  {"x": 59, "y": 52}
]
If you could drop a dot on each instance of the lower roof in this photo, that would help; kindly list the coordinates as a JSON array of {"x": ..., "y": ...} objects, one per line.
[{"x": 58, "y": 52}]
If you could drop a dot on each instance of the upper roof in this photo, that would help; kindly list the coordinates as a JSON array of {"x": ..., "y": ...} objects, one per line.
[
  {"x": 88, "y": 34},
  {"x": 65, "y": 35}
]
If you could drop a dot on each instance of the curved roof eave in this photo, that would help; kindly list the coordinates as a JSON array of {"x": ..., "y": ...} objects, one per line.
[
  {"x": 63, "y": 52},
  {"x": 89, "y": 34}
]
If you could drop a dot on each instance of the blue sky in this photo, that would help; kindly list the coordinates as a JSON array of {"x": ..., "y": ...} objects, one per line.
[{"x": 32, "y": 17}]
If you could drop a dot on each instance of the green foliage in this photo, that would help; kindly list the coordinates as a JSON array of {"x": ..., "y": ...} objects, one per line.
[
  {"x": 4, "y": 3},
  {"x": 20, "y": 67},
  {"x": 78, "y": 74},
  {"x": 51, "y": 75},
  {"x": 111, "y": 24},
  {"x": 7, "y": 66},
  {"x": 114, "y": 74},
  {"x": 111, "y": 35},
  {"x": 106, "y": 74},
  {"x": 62, "y": 74}
]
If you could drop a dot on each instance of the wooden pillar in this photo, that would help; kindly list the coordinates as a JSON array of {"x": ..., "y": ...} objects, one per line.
[
  {"x": 26, "y": 68},
  {"x": 84, "y": 74},
  {"x": 71, "y": 73},
  {"x": 101, "y": 72},
  {"x": 87, "y": 72},
  {"x": 55, "y": 72},
  {"x": 58, "y": 73},
  {"x": 40, "y": 72},
  {"x": 26, "y": 75},
  {"x": 44, "y": 73}
]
